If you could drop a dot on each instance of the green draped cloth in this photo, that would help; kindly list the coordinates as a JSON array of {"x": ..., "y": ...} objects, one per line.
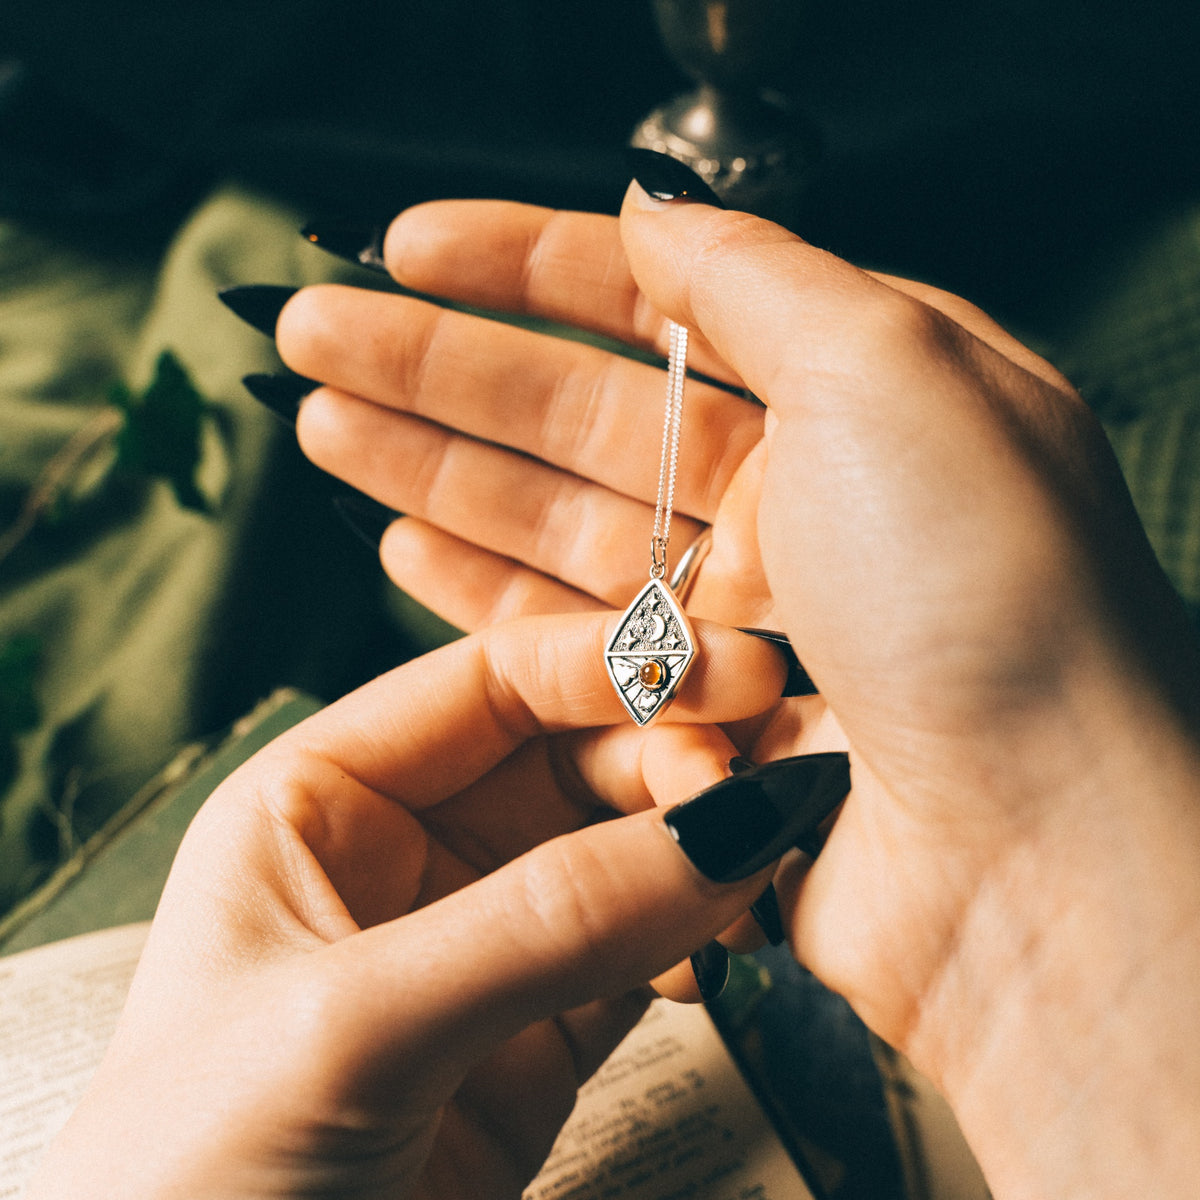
[{"x": 153, "y": 625}]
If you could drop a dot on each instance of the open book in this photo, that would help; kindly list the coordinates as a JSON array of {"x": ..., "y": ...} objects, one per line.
[
  {"x": 667, "y": 1115},
  {"x": 671, "y": 1115}
]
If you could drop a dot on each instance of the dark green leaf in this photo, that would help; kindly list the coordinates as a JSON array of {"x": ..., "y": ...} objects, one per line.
[
  {"x": 161, "y": 436},
  {"x": 19, "y": 658}
]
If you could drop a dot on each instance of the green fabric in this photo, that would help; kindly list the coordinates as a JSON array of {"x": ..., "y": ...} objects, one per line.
[
  {"x": 156, "y": 624},
  {"x": 118, "y": 877},
  {"x": 1133, "y": 350}
]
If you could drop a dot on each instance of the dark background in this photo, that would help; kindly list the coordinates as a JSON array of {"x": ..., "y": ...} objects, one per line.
[{"x": 984, "y": 147}]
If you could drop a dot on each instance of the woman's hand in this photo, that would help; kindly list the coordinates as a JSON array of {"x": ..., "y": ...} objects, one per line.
[
  {"x": 526, "y": 463},
  {"x": 377, "y": 969},
  {"x": 1012, "y": 891},
  {"x": 556, "y": 441}
]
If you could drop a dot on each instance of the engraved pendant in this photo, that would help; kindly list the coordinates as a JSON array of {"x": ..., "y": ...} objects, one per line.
[{"x": 650, "y": 653}]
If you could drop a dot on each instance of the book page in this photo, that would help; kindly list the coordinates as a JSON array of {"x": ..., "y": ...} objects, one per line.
[
  {"x": 669, "y": 1117},
  {"x": 59, "y": 1005}
]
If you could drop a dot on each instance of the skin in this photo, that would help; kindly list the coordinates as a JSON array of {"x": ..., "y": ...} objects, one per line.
[
  {"x": 396, "y": 941},
  {"x": 1011, "y": 893}
]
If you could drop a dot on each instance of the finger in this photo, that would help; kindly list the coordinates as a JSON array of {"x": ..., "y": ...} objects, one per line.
[
  {"x": 594, "y": 414},
  {"x": 566, "y": 267},
  {"x": 915, "y": 436},
  {"x": 785, "y": 313},
  {"x": 629, "y": 769},
  {"x": 344, "y": 849},
  {"x": 435, "y": 725},
  {"x": 483, "y": 587},
  {"x": 591, "y": 914},
  {"x": 678, "y": 982},
  {"x": 548, "y": 787},
  {"x": 593, "y": 539}
]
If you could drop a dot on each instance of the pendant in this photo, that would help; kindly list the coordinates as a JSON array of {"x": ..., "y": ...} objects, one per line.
[{"x": 650, "y": 652}]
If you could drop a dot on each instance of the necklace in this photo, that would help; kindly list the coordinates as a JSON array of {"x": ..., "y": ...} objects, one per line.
[{"x": 654, "y": 646}]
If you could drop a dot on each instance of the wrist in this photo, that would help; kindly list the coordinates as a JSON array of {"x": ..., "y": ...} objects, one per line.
[{"x": 1061, "y": 1027}]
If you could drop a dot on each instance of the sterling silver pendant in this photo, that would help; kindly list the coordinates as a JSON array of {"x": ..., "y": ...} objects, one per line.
[{"x": 650, "y": 652}]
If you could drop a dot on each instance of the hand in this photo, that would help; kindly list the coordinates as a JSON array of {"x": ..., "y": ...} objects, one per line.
[
  {"x": 372, "y": 972},
  {"x": 1012, "y": 891},
  {"x": 557, "y": 441},
  {"x": 946, "y": 539},
  {"x": 447, "y": 416}
]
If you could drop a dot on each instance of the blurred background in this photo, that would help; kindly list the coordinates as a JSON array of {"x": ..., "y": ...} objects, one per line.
[{"x": 989, "y": 145}]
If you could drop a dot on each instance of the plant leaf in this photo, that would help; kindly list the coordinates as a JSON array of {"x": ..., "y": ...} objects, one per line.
[
  {"x": 19, "y": 658},
  {"x": 161, "y": 434}
]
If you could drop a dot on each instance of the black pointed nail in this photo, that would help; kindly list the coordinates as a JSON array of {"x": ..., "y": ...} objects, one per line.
[
  {"x": 366, "y": 517},
  {"x": 359, "y": 244},
  {"x": 666, "y": 178},
  {"x": 746, "y": 822},
  {"x": 798, "y": 682},
  {"x": 258, "y": 304},
  {"x": 740, "y": 763},
  {"x": 280, "y": 393},
  {"x": 765, "y": 910},
  {"x": 710, "y": 965}
]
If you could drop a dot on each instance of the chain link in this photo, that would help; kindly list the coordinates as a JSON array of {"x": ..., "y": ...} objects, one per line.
[{"x": 669, "y": 460}]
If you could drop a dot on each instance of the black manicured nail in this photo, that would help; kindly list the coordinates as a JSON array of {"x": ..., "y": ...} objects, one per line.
[
  {"x": 258, "y": 304},
  {"x": 280, "y": 393},
  {"x": 711, "y": 968},
  {"x": 746, "y": 822},
  {"x": 666, "y": 178},
  {"x": 740, "y": 763},
  {"x": 359, "y": 244},
  {"x": 366, "y": 517},
  {"x": 798, "y": 682},
  {"x": 765, "y": 910}
]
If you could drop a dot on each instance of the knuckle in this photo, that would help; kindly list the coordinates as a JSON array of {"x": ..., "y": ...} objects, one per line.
[
  {"x": 564, "y": 894},
  {"x": 726, "y": 236},
  {"x": 899, "y": 328}
]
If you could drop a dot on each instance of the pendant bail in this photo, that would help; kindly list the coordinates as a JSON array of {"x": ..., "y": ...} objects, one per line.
[{"x": 658, "y": 557}]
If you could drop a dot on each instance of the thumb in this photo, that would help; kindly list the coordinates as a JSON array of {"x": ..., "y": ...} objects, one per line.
[
  {"x": 772, "y": 306},
  {"x": 589, "y": 915}
]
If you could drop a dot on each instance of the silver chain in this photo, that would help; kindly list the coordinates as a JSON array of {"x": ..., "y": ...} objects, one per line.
[{"x": 669, "y": 462}]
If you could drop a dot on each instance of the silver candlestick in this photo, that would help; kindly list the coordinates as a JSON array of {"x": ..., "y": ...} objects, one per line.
[{"x": 738, "y": 130}]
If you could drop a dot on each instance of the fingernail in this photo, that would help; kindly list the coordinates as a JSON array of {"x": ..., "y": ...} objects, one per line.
[
  {"x": 765, "y": 910},
  {"x": 711, "y": 968},
  {"x": 744, "y": 823},
  {"x": 740, "y": 763},
  {"x": 665, "y": 178},
  {"x": 359, "y": 244},
  {"x": 280, "y": 393},
  {"x": 258, "y": 304},
  {"x": 367, "y": 518},
  {"x": 798, "y": 682}
]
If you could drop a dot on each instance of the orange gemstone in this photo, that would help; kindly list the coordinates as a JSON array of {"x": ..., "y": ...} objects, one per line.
[{"x": 652, "y": 674}]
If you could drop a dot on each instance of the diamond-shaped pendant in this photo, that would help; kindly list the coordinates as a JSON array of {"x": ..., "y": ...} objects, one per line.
[{"x": 650, "y": 652}]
